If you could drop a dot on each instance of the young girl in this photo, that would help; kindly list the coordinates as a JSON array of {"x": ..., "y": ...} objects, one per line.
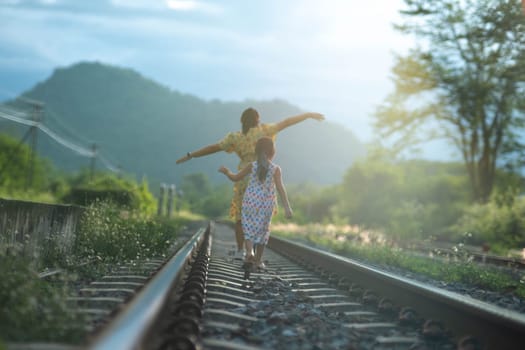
[{"x": 259, "y": 201}]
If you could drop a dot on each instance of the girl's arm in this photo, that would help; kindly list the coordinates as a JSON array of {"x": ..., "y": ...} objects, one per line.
[
  {"x": 297, "y": 119},
  {"x": 204, "y": 151},
  {"x": 277, "y": 177},
  {"x": 236, "y": 177}
]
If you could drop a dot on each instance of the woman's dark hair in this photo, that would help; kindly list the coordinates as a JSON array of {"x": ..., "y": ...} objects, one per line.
[
  {"x": 264, "y": 150},
  {"x": 249, "y": 119}
]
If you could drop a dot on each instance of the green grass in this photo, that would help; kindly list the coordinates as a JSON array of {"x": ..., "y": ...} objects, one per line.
[
  {"x": 462, "y": 269},
  {"x": 35, "y": 310}
]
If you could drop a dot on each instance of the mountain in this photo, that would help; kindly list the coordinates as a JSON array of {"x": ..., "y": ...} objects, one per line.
[{"x": 143, "y": 127}]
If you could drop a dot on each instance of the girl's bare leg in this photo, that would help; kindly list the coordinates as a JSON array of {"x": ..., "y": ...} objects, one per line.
[
  {"x": 239, "y": 235},
  {"x": 249, "y": 250},
  {"x": 259, "y": 250}
]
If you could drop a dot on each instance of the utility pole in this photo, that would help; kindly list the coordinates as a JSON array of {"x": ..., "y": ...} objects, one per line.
[
  {"x": 171, "y": 194},
  {"x": 161, "y": 199},
  {"x": 93, "y": 158},
  {"x": 37, "y": 118}
]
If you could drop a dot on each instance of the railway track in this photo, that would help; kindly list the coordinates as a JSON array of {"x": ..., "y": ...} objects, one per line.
[
  {"x": 451, "y": 253},
  {"x": 305, "y": 299}
]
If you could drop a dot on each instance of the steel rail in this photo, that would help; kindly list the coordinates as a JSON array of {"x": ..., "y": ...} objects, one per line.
[
  {"x": 485, "y": 258},
  {"x": 499, "y": 328},
  {"x": 132, "y": 325}
]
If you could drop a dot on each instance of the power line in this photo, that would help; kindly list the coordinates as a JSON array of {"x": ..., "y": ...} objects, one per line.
[
  {"x": 15, "y": 96},
  {"x": 14, "y": 112},
  {"x": 17, "y": 119},
  {"x": 52, "y": 116},
  {"x": 108, "y": 164},
  {"x": 78, "y": 149},
  {"x": 75, "y": 148},
  {"x": 22, "y": 118}
]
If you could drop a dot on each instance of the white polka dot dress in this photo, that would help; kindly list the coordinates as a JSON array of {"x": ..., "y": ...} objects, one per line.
[{"x": 258, "y": 205}]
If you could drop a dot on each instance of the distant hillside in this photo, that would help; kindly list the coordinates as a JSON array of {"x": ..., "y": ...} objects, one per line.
[{"x": 144, "y": 127}]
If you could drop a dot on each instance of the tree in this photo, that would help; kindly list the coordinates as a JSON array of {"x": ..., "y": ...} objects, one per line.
[
  {"x": 203, "y": 198},
  {"x": 196, "y": 188},
  {"x": 15, "y": 164},
  {"x": 413, "y": 198},
  {"x": 465, "y": 82},
  {"x": 122, "y": 191}
]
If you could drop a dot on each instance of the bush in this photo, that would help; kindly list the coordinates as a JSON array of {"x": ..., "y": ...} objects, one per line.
[
  {"x": 108, "y": 233},
  {"x": 33, "y": 309},
  {"x": 15, "y": 162},
  {"x": 500, "y": 222},
  {"x": 105, "y": 187},
  {"x": 407, "y": 199},
  {"x": 462, "y": 270}
]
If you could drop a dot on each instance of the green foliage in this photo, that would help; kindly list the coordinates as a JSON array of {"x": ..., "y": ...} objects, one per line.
[
  {"x": 461, "y": 270},
  {"x": 33, "y": 309},
  {"x": 311, "y": 203},
  {"x": 500, "y": 222},
  {"x": 110, "y": 187},
  {"x": 36, "y": 310},
  {"x": 217, "y": 203},
  {"x": 368, "y": 194},
  {"x": 411, "y": 199},
  {"x": 463, "y": 84},
  {"x": 108, "y": 233},
  {"x": 195, "y": 187},
  {"x": 199, "y": 196},
  {"x": 15, "y": 166}
]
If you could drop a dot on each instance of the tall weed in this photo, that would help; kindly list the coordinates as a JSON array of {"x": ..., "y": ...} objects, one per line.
[{"x": 33, "y": 309}]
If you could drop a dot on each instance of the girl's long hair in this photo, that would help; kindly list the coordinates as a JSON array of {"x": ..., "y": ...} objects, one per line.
[
  {"x": 264, "y": 150},
  {"x": 249, "y": 119}
]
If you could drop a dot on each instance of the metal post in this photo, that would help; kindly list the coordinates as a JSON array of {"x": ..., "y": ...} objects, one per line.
[
  {"x": 93, "y": 158},
  {"x": 179, "y": 200},
  {"x": 171, "y": 194},
  {"x": 37, "y": 114},
  {"x": 161, "y": 199}
]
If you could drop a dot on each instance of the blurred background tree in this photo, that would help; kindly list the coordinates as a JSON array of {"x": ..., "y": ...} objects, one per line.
[
  {"x": 14, "y": 169},
  {"x": 465, "y": 82},
  {"x": 87, "y": 188}
]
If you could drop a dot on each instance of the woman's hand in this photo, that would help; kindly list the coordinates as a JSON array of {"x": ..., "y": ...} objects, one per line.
[
  {"x": 183, "y": 159},
  {"x": 316, "y": 116}
]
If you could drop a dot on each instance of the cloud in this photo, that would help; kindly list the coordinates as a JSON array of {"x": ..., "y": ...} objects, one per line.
[
  {"x": 182, "y": 4},
  {"x": 176, "y": 5},
  {"x": 138, "y": 4},
  {"x": 317, "y": 54},
  {"x": 192, "y": 5}
]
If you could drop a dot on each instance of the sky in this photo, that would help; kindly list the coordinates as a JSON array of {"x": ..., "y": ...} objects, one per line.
[{"x": 329, "y": 56}]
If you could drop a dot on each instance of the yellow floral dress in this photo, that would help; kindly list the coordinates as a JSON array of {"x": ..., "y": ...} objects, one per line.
[{"x": 244, "y": 146}]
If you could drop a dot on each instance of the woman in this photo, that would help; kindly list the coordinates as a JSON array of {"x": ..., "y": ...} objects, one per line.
[{"x": 243, "y": 144}]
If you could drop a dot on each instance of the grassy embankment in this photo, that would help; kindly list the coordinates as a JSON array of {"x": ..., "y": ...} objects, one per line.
[
  {"x": 36, "y": 310},
  {"x": 372, "y": 248}
]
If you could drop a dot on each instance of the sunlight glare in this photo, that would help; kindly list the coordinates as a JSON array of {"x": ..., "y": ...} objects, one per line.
[
  {"x": 181, "y": 4},
  {"x": 341, "y": 24}
]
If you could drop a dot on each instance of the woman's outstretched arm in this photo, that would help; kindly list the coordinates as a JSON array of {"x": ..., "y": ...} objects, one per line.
[
  {"x": 297, "y": 119},
  {"x": 204, "y": 151}
]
